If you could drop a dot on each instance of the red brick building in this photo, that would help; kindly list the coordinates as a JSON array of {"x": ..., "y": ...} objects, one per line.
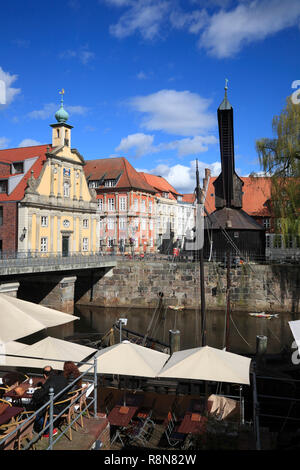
[
  {"x": 126, "y": 205},
  {"x": 16, "y": 166}
]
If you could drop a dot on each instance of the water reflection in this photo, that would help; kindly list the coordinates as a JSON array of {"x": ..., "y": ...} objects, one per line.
[{"x": 242, "y": 335}]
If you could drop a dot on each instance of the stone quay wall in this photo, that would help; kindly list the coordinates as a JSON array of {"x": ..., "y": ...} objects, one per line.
[{"x": 253, "y": 287}]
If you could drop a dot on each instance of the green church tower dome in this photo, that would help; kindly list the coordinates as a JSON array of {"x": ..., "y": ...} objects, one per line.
[{"x": 61, "y": 115}]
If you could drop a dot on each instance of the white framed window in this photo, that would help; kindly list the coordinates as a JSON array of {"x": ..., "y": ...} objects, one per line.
[
  {"x": 268, "y": 241},
  {"x": 100, "y": 204},
  {"x": 109, "y": 183},
  {"x": 289, "y": 241},
  {"x": 143, "y": 205},
  {"x": 66, "y": 189},
  {"x": 85, "y": 244},
  {"x": 143, "y": 224},
  {"x": 122, "y": 203},
  {"x": 166, "y": 195},
  {"x": 85, "y": 223},
  {"x": 150, "y": 207},
  {"x": 44, "y": 244},
  {"x": 136, "y": 204},
  {"x": 110, "y": 223},
  {"x": 151, "y": 241},
  {"x": 122, "y": 223},
  {"x": 111, "y": 204},
  {"x": 277, "y": 241},
  {"x": 44, "y": 221},
  {"x": 110, "y": 241},
  {"x": 150, "y": 224},
  {"x": 266, "y": 222}
]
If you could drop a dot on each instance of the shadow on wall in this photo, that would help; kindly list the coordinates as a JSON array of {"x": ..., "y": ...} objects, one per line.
[{"x": 289, "y": 281}]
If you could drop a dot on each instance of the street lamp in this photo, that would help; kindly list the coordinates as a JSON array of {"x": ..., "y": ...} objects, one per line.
[{"x": 122, "y": 321}]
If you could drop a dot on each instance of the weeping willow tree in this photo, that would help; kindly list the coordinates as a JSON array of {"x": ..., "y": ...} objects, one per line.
[{"x": 280, "y": 158}]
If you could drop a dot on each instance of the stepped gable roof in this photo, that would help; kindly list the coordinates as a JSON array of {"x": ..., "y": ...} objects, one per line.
[
  {"x": 113, "y": 168},
  {"x": 21, "y": 154},
  {"x": 256, "y": 197},
  {"x": 238, "y": 218},
  {"x": 160, "y": 184}
]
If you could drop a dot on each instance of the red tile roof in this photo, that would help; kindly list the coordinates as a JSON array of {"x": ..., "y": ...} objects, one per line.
[
  {"x": 111, "y": 168},
  {"x": 160, "y": 184},
  {"x": 190, "y": 198},
  {"x": 257, "y": 193},
  {"x": 21, "y": 154}
]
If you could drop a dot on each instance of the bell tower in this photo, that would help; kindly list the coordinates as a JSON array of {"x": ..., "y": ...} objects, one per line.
[{"x": 61, "y": 131}]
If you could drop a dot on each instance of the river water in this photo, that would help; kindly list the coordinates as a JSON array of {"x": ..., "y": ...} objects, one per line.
[{"x": 242, "y": 333}]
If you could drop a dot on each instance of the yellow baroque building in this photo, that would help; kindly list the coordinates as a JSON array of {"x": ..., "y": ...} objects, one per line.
[{"x": 58, "y": 213}]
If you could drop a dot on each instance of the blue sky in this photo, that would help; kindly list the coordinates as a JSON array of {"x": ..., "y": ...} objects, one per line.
[{"x": 144, "y": 78}]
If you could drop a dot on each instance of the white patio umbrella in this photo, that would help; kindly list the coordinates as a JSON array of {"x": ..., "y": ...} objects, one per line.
[
  {"x": 46, "y": 352},
  {"x": 295, "y": 328},
  {"x": 19, "y": 318},
  {"x": 207, "y": 363},
  {"x": 129, "y": 359}
]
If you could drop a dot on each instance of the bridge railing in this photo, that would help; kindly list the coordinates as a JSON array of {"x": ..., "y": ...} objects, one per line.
[{"x": 21, "y": 259}]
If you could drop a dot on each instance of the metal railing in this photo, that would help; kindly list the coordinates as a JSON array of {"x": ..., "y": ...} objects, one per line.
[
  {"x": 92, "y": 370},
  {"x": 31, "y": 259}
]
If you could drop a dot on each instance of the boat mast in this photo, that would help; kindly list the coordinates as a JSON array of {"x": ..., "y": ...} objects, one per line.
[{"x": 199, "y": 199}]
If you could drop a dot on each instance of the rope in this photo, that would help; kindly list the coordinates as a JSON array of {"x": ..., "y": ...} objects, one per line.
[{"x": 239, "y": 331}]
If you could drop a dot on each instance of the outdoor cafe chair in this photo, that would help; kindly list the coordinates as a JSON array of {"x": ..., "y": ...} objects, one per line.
[
  {"x": 173, "y": 437},
  {"x": 140, "y": 432},
  {"x": 23, "y": 429},
  {"x": 5, "y": 402},
  {"x": 82, "y": 403},
  {"x": 66, "y": 414}
]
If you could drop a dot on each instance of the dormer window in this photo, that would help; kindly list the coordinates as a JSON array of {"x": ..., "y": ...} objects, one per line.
[
  {"x": 179, "y": 198},
  {"x": 109, "y": 183},
  {"x": 166, "y": 195},
  {"x": 3, "y": 186},
  {"x": 93, "y": 184},
  {"x": 17, "y": 167}
]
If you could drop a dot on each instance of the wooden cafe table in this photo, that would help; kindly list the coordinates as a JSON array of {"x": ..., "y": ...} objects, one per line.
[
  {"x": 192, "y": 423},
  {"x": 122, "y": 415},
  {"x": 20, "y": 394}
]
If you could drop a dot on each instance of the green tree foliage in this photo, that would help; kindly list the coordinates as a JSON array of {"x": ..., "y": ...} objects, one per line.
[{"x": 280, "y": 158}]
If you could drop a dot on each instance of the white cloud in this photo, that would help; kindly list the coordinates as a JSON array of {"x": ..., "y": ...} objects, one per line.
[
  {"x": 183, "y": 177},
  {"x": 83, "y": 54},
  {"x": 229, "y": 31},
  {"x": 144, "y": 145},
  {"x": 9, "y": 92},
  {"x": 50, "y": 109},
  {"x": 3, "y": 142},
  {"x": 28, "y": 143},
  {"x": 192, "y": 146},
  {"x": 224, "y": 27},
  {"x": 143, "y": 16},
  {"x": 142, "y": 76},
  {"x": 141, "y": 142},
  {"x": 175, "y": 112}
]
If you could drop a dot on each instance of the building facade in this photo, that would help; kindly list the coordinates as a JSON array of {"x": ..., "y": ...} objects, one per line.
[
  {"x": 175, "y": 214},
  {"x": 55, "y": 212},
  {"x": 126, "y": 206}
]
